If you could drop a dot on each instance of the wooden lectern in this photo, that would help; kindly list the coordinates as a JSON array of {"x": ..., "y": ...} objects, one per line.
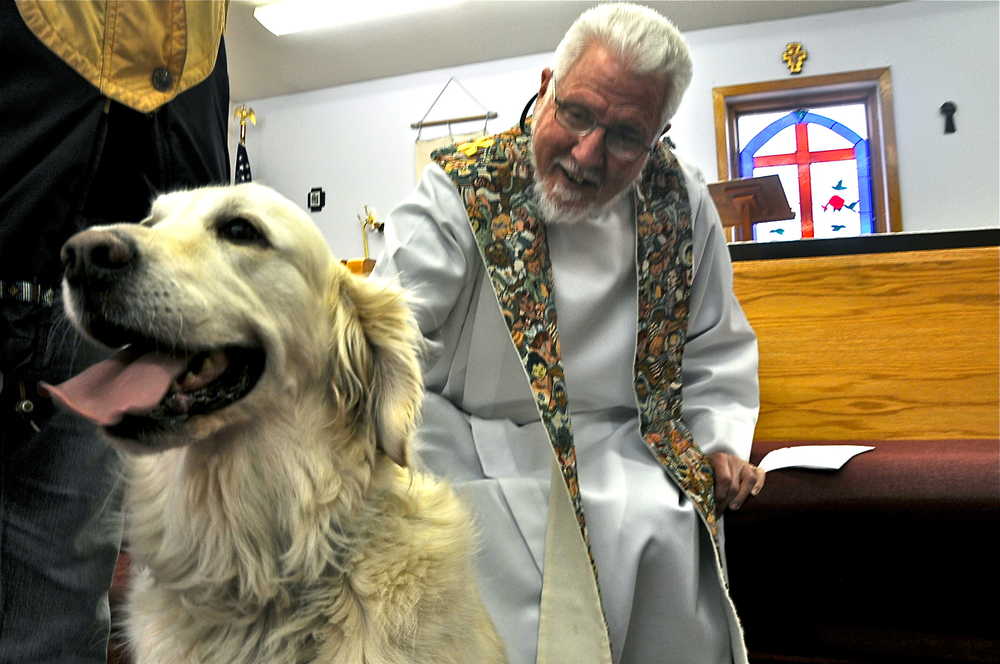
[{"x": 743, "y": 203}]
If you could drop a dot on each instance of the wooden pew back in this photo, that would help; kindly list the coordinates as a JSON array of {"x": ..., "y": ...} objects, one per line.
[{"x": 882, "y": 346}]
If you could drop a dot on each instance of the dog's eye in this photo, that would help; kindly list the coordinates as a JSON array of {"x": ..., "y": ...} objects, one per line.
[{"x": 241, "y": 231}]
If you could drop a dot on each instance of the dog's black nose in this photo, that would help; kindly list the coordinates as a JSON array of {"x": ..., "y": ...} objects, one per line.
[{"x": 97, "y": 255}]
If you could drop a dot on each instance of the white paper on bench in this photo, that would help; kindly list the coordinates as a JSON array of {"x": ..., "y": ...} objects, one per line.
[{"x": 826, "y": 457}]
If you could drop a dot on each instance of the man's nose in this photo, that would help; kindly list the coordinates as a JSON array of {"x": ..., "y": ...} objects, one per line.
[{"x": 589, "y": 149}]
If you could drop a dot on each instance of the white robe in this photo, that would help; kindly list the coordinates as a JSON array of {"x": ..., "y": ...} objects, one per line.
[{"x": 661, "y": 585}]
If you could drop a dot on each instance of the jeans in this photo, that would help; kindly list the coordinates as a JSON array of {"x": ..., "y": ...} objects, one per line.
[{"x": 60, "y": 495}]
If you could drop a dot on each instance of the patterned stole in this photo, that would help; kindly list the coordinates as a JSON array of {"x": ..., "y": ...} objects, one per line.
[{"x": 495, "y": 182}]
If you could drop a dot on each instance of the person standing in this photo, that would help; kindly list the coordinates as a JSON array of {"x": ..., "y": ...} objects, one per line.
[{"x": 103, "y": 104}]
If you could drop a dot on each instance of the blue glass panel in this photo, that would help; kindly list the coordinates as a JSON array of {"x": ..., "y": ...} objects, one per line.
[{"x": 862, "y": 155}]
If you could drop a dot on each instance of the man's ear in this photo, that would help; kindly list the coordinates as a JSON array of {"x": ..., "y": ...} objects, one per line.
[{"x": 546, "y": 77}]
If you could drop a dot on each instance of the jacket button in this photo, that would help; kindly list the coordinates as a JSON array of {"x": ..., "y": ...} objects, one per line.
[{"x": 162, "y": 80}]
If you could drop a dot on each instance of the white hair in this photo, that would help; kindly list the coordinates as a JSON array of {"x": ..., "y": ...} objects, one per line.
[{"x": 645, "y": 40}]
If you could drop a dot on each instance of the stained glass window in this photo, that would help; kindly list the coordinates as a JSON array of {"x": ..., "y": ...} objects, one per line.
[
  {"x": 829, "y": 139},
  {"x": 823, "y": 159}
]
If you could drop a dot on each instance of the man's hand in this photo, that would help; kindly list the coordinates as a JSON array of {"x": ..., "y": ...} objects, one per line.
[{"x": 735, "y": 479}]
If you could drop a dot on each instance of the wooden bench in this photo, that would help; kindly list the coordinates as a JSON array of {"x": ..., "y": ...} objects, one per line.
[{"x": 890, "y": 559}]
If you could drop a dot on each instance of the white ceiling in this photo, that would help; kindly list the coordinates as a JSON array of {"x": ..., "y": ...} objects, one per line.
[{"x": 262, "y": 65}]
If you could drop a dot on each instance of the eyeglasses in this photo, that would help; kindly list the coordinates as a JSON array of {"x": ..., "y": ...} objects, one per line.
[{"x": 622, "y": 141}]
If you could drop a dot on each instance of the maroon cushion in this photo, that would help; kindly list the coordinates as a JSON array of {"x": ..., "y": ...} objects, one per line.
[{"x": 886, "y": 560}]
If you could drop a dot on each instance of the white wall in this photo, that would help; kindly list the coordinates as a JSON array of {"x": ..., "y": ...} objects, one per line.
[{"x": 355, "y": 140}]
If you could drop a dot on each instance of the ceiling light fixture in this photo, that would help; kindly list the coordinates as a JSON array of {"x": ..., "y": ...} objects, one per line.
[{"x": 289, "y": 16}]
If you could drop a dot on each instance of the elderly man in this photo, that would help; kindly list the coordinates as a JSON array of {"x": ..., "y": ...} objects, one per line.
[{"x": 591, "y": 378}]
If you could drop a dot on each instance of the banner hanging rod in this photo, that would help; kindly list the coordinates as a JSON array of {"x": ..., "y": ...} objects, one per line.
[{"x": 469, "y": 118}]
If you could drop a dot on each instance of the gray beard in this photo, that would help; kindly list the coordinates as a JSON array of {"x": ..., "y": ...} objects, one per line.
[{"x": 553, "y": 209}]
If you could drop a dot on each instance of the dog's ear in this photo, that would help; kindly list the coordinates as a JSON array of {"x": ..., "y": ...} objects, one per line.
[{"x": 390, "y": 376}]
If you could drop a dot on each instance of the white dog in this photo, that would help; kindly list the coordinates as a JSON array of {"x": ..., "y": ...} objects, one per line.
[{"x": 265, "y": 405}]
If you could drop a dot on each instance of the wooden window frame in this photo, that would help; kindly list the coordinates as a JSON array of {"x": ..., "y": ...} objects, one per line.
[{"x": 873, "y": 87}]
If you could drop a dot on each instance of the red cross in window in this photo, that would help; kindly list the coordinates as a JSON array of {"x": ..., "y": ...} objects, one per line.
[{"x": 803, "y": 158}]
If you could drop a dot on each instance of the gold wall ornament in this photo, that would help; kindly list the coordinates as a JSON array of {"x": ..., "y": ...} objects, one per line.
[
  {"x": 794, "y": 56},
  {"x": 244, "y": 114}
]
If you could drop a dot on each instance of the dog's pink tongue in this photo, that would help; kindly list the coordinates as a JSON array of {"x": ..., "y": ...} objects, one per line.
[{"x": 126, "y": 383}]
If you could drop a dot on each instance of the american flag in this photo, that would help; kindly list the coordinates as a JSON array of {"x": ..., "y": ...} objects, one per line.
[{"x": 242, "y": 165}]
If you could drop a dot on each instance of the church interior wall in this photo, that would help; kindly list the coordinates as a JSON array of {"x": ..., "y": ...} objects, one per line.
[{"x": 355, "y": 140}]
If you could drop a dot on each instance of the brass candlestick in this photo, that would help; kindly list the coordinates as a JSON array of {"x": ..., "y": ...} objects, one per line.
[{"x": 368, "y": 221}]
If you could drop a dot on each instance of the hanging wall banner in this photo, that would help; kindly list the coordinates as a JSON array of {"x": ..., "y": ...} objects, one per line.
[{"x": 424, "y": 148}]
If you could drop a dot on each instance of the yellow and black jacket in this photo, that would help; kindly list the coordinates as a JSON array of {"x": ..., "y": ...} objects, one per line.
[
  {"x": 173, "y": 49},
  {"x": 103, "y": 105}
]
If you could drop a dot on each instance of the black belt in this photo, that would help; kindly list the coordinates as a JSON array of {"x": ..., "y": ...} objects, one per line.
[{"x": 24, "y": 291}]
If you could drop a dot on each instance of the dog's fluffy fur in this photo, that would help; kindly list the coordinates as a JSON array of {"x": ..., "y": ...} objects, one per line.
[{"x": 288, "y": 526}]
